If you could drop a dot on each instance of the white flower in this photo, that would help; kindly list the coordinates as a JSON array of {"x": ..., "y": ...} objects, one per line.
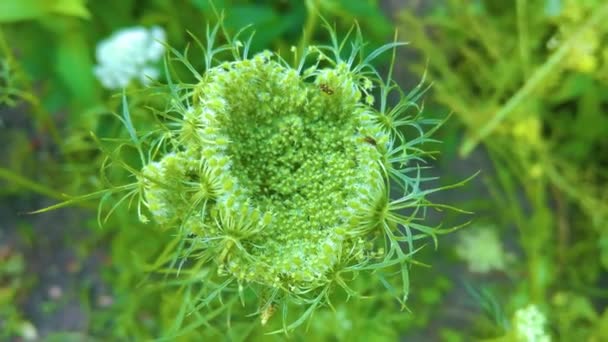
[
  {"x": 530, "y": 325},
  {"x": 129, "y": 54},
  {"x": 482, "y": 250},
  {"x": 28, "y": 331}
]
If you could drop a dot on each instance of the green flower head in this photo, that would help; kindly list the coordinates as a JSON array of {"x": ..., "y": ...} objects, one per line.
[
  {"x": 285, "y": 178},
  {"x": 276, "y": 168}
]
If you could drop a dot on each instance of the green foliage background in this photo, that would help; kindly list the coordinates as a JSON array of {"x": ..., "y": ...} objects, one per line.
[{"x": 526, "y": 81}]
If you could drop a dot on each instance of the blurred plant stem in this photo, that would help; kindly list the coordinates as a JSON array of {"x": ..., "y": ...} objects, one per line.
[
  {"x": 312, "y": 16},
  {"x": 534, "y": 229},
  {"x": 524, "y": 42},
  {"x": 563, "y": 229},
  {"x": 19, "y": 180},
  {"x": 535, "y": 80},
  {"x": 43, "y": 118}
]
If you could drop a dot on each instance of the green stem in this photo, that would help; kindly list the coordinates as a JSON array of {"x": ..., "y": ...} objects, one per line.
[
  {"x": 542, "y": 238},
  {"x": 19, "y": 180},
  {"x": 38, "y": 110},
  {"x": 310, "y": 24},
  {"x": 532, "y": 84},
  {"x": 522, "y": 27}
]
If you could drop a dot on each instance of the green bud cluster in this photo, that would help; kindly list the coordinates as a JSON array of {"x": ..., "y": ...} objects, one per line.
[
  {"x": 288, "y": 177},
  {"x": 275, "y": 168}
]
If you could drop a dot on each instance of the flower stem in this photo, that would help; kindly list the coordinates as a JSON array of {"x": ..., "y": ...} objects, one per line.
[{"x": 531, "y": 84}]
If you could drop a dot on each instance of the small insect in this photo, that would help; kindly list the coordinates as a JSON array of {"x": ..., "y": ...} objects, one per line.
[
  {"x": 370, "y": 140},
  {"x": 326, "y": 89},
  {"x": 267, "y": 313}
]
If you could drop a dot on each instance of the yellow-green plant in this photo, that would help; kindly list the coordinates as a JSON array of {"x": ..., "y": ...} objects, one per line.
[
  {"x": 282, "y": 181},
  {"x": 526, "y": 81}
]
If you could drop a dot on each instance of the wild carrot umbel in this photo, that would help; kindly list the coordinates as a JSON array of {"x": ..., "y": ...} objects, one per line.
[{"x": 286, "y": 180}]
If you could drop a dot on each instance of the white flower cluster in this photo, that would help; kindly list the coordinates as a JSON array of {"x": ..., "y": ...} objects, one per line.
[
  {"x": 129, "y": 54},
  {"x": 482, "y": 250},
  {"x": 530, "y": 325}
]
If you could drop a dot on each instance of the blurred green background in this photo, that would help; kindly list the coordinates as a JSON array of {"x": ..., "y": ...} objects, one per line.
[{"x": 525, "y": 82}]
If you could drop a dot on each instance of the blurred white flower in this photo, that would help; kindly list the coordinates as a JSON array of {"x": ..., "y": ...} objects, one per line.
[
  {"x": 28, "y": 331},
  {"x": 530, "y": 325},
  {"x": 482, "y": 250},
  {"x": 129, "y": 54}
]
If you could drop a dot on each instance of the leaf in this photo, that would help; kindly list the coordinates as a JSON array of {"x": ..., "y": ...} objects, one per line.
[
  {"x": 553, "y": 8},
  {"x": 265, "y": 21},
  {"x": 21, "y": 181},
  {"x": 12, "y": 10},
  {"x": 74, "y": 8},
  {"x": 126, "y": 119},
  {"x": 74, "y": 66},
  {"x": 207, "y": 6},
  {"x": 369, "y": 14},
  {"x": 359, "y": 8}
]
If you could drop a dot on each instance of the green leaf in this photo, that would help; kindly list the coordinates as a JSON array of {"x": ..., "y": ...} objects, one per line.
[
  {"x": 206, "y": 6},
  {"x": 267, "y": 23},
  {"x": 359, "y": 8},
  {"x": 74, "y": 68},
  {"x": 74, "y": 8},
  {"x": 369, "y": 13},
  {"x": 12, "y": 10},
  {"x": 126, "y": 119},
  {"x": 603, "y": 245},
  {"x": 553, "y": 8}
]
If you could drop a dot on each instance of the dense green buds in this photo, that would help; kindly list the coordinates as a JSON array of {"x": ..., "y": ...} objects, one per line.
[
  {"x": 277, "y": 170},
  {"x": 289, "y": 178}
]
